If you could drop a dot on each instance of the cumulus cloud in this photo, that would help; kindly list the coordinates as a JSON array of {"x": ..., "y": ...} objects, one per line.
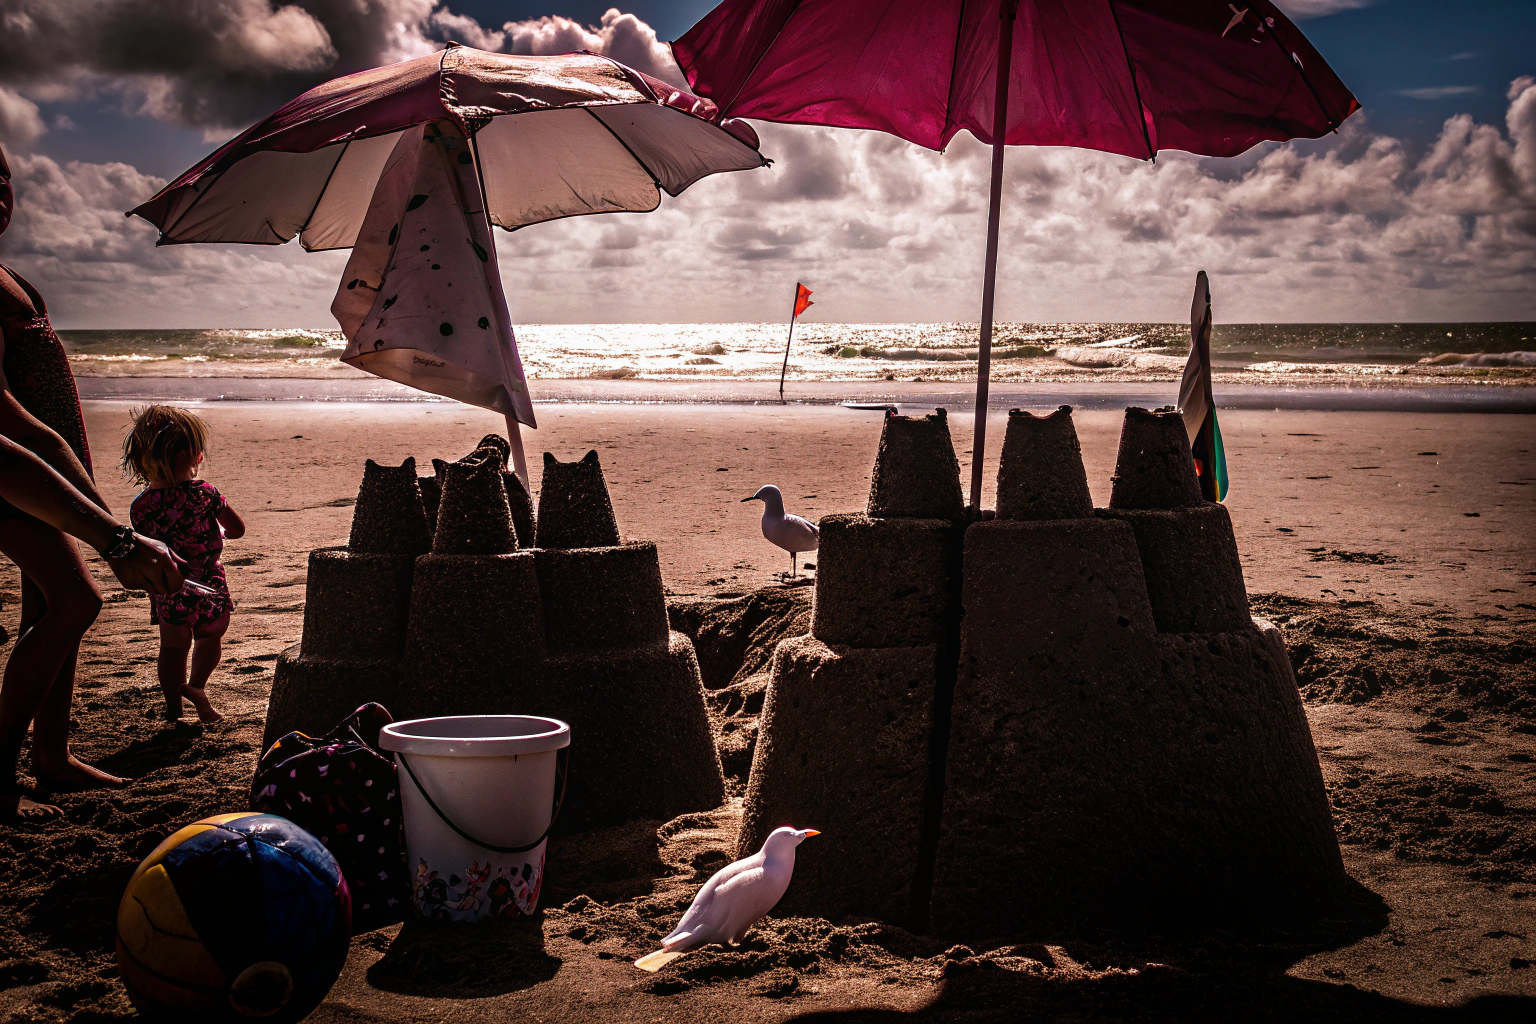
[
  {"x": 98, "y": 268},
  {"x": 20, "y": 123},
  {"x": 223, "y": 64},
  {"x": 1357, "y": 227},
  {"x": 1361, "y": 230}
]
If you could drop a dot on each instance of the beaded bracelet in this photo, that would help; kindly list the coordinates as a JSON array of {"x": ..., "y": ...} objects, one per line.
[{"x": 124, "y": 543}]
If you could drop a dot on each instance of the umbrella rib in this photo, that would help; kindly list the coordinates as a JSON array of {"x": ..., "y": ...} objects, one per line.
[
  {"x": 1332, "y": 124},
  {"x": 321, "y": 194},
  {"x": 1141, "y": 110},
  {"x": 954, "y": 66},
  {"x": 633, "y": 155},
  {"x": 725, "y": 107}
]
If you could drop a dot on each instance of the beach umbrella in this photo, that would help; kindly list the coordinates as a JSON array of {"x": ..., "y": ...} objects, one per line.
[
  {"x": 1195, "y": 401},
  {"x": 430, "y": 153},
  {"x": 1123, "y": 76}
]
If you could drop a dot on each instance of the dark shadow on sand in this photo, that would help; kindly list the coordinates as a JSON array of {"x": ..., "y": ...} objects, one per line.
[
  {"x": 608, "y": 865},
  {"x": 450, "y": 960},
  {"x": 1226, "y": 975},
  {"x": 1230, "y": 993},
  {"x": 176, "y": 744}
]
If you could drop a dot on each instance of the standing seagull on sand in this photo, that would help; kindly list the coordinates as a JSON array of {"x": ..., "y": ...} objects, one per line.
[
  {"x": 734, "y": 898},
  {"x": 791, "y": 533}
]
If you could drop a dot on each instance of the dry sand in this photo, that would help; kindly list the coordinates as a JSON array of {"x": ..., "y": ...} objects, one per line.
[{"x": 1398, "y": 550}]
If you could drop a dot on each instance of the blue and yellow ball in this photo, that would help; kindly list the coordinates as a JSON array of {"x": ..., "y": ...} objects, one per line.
[{"x": 233, "y": 917}]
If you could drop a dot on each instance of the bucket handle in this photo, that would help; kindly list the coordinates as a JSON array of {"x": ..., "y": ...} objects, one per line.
[{"x": 562, "y": 770}]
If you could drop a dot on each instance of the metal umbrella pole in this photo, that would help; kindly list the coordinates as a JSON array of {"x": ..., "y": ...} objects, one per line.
[{"x": 1007, "y": 12}]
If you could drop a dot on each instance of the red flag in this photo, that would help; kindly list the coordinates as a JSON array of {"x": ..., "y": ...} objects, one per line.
[{"x": 802, "y": 299}]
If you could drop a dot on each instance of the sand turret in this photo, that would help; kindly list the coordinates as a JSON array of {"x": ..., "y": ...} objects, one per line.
[
  {"x": 1041, "y": 474},
  {"x": 1102, "y": 768},
  {"x": 1187, "y": 547},
  {"x": 575, "y": 510},
  {"x": 846, "y": 737},
  {"x": 356, "y": 610}
]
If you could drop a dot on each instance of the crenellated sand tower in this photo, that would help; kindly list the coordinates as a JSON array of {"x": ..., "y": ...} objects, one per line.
[
  {"x": 575, "y": 629},
  {"x": 359, "y": 599},
  {"x": 483, "y": 623},
  {"x": 476, "y": 623},
  {"x": 846, "y": 738},
  {"x": 629, "y": 687},
  {"x": 1126, "y": 741}
]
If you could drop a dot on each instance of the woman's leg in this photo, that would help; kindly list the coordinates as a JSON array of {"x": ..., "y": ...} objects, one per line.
[
  {"x": 175, "y": 641},
  {"x": 58, "y": 607},
  {"x": 207, "y": 649}
]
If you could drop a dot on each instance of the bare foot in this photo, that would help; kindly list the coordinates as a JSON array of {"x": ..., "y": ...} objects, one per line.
[
  {"x": 173, "y": 710},
  {"x": 199, "y": 698},
  {"x": 16, "y": 806},
  {"x": 73, "y": 776}
]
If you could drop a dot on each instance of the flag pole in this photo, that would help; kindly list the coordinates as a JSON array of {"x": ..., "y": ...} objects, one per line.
[
  {"x": 793, "y": 302},
  {"x": 1007, "y": 11}
]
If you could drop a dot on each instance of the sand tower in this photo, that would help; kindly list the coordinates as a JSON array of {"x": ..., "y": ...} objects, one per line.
[
  {"x": 846, "y": 738},
  {"x": 355, "y": 615},
  {"x": 1115, "y": 755},
  {"x": 627, "y": 684},
  {"x": 476, "y": 619},
  {"x": 575, "y": 629}
]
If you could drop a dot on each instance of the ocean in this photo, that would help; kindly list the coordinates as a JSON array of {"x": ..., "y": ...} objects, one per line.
[{"x": 1492, "y": 352}]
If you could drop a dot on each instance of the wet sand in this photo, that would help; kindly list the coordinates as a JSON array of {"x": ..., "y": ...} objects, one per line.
[{"x": 1398, "y": 550}]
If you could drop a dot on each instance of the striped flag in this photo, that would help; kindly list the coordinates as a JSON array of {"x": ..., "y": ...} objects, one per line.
[{"x": 1195, "y": 400}]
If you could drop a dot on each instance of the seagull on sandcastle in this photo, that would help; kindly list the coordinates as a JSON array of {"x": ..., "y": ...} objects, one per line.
[
  {"x": 734, "y": 899},
  {"x": 792, "y": 533}
]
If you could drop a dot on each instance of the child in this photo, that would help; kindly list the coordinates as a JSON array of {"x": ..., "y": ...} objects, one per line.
[{"x": 164, "y": 450}]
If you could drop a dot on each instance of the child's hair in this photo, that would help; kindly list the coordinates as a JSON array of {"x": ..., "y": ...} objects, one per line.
[{"x": 161, "y": 437}]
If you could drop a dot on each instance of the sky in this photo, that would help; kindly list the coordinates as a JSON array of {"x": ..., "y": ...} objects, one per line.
[{"x": 1422, "y": 208}]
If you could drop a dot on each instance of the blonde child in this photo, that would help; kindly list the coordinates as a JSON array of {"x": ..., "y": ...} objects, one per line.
[{"x": 164, "y": 451}]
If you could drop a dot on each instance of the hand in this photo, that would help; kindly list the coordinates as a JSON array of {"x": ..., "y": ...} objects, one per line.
[{"x": 152, "y": 567}]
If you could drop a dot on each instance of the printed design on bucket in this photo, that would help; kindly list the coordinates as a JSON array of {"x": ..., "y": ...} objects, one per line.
[{"x": 473, "y": 893}]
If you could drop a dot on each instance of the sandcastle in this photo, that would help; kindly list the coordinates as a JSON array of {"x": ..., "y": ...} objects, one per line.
[
  {"x": 845, "y": 738},
  {"x": 1112, "y": 736},
  {"x": 359, "y": 598},
  {"x": 575, "y": 628}
]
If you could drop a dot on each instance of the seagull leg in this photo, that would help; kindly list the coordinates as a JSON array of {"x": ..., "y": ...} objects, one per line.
[{"x": 793, "y": 571}]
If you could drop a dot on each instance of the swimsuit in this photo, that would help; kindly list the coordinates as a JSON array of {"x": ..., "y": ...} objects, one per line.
[
  {"x": 185, "y": 517},
  {"x": 37, "y": 369}
]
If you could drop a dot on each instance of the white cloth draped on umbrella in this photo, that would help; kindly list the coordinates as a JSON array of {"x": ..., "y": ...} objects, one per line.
[{"x": 421, "y": 300}]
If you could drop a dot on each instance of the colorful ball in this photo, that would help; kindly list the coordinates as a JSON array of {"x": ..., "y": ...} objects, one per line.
[{"x": 233, "y": 917}]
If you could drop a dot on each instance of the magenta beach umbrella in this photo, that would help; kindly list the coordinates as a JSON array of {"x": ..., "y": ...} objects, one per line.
[
  {"x": 1123, "y": 76},
  {"x": 410, "y": 165}
]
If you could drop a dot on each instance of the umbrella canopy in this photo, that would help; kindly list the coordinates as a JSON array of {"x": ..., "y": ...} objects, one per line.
[
  {"x": 555, "y": 136},
  {"x": 413, "y": 163},
  {"x": 1123, "y": 76}
]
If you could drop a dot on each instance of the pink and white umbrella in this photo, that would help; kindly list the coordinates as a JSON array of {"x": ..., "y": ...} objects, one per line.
[{"x": 430, "y": 153}]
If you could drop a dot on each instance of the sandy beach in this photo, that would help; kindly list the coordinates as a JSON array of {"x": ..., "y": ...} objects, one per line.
[{"x": 1398, "y": 550}]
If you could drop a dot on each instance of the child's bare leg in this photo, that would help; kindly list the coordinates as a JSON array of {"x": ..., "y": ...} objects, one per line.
[
  {"x": 207, "y": 650},
  {"x": 175, "y": 641}
]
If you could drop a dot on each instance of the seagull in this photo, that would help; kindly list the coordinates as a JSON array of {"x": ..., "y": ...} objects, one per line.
[
  {"x": 734, "y": 898},
  {"x": 791, "y": 533}
]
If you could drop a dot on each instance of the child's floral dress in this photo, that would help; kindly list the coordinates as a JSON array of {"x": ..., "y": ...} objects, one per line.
[{"x": 185, "y": 517}]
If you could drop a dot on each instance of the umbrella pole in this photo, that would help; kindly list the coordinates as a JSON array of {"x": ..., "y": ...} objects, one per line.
[
  {"x": 519, "y": 460},
  {"x": 1007, "y": 11}
]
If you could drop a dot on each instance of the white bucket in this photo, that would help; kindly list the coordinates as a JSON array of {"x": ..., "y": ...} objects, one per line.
[{"x": 478, "y": 794}]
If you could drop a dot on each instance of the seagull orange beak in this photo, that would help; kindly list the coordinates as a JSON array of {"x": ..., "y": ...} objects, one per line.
[{"x": 811, "y": 832}]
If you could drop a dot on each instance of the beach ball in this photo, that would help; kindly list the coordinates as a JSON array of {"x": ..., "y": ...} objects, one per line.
[{"x": 236, "y": 916}]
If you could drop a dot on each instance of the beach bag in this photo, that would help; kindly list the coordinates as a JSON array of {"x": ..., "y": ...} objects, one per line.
[{"x": 344, "y": 791}]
